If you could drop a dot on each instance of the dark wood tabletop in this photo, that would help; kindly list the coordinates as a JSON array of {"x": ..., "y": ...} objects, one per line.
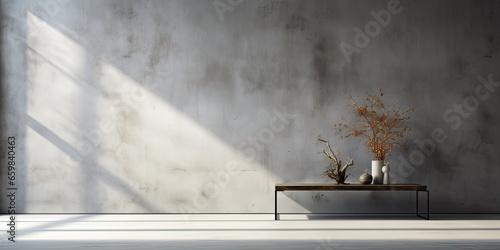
[{"x": 347, "y": 187}]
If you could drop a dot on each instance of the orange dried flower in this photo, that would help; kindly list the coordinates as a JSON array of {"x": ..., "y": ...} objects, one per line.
[{"x": 381, "y": 127}]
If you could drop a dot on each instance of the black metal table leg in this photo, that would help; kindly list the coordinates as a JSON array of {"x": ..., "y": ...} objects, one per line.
[
  {"x": 276, "y": 205},
  {"x": 416, "y": 210},
  {"x": 428, "y": 213}
]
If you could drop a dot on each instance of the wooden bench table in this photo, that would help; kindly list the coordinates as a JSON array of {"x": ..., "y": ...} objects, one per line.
[{"x": 282, "y": 187}]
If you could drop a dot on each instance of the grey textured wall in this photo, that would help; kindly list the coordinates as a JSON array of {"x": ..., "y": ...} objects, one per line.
[{"x": 201, "y": 106}]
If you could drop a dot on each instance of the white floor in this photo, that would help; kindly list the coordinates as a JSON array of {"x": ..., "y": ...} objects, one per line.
[{"x": 251, "y": 232}]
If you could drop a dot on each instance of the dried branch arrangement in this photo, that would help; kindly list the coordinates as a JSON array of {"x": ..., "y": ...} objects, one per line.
[
  {"x": 381, "y": 127},
  {"x": 335, "y": 171}
]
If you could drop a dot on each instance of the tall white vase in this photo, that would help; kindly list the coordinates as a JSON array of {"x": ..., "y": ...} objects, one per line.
[{"x": 378, "y": 176}]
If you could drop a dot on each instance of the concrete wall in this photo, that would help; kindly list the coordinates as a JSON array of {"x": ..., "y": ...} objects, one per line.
[{"x": 201, "y": 106}]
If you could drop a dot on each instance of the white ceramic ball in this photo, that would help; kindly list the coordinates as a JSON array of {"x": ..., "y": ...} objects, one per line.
[{"x": 385, "y": 169}]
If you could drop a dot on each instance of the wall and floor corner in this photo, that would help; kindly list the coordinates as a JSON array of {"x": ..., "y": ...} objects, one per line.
[{"x": 201, "y": 106}]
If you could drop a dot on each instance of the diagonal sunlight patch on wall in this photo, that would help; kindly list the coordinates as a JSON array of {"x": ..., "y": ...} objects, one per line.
[
  {"x": 59, "y": 129},
  {"x": 170, "y": 157},
  {"x": 138, "y": 148},
  {"x": 59, "y": 171},
  {"x": 53, "y": 65}
]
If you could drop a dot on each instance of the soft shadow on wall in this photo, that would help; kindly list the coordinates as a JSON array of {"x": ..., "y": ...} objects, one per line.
[
  {"x": 3, "y": 153},
  {"x": 12, "y": 104}
]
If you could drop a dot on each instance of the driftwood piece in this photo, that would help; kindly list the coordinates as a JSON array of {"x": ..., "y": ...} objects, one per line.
[{"x": 335, "y": 171}]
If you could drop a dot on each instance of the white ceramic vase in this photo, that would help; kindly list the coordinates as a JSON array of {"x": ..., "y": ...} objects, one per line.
[
  {"x": 385, "y": 170},
  {"x": 378, "y": 176}
]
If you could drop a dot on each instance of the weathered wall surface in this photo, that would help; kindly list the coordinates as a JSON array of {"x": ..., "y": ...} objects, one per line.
[{"x": 201, "y": 106}]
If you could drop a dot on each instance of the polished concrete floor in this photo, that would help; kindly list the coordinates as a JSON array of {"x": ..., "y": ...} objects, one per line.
[{"x": 252, "y": 232}]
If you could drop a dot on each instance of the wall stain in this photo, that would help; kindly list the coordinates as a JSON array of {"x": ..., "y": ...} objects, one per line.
[
  {"x": 492, "y": 50},
  {"x": 268, "y": 9},
  {"x": 159, "y": 50},
  {"x": 129, "y": 119},
  {"x": 296, "y": 23},
  {"x": 130, "y": 38},
  {"x": 319, "y": 62},
  {"x": 132, "y": 46},
  {"x": 317, "y": 198},
  {"x": 327, "y": 12},
  {"x": 491, "y": 38},
  {"x": 323, "y": 92},
  {"x": 219, "y": 75},
  {"x": 461, "y": 65},
  {"x": 130, "y": 13},
  {"x": 205, "y": 194},
  {"x": 125, "y": 11},
  {"x": 258, "y": 79}
]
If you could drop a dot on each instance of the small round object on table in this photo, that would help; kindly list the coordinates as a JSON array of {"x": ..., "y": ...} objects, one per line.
[{"x": 365, "y": 178}]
